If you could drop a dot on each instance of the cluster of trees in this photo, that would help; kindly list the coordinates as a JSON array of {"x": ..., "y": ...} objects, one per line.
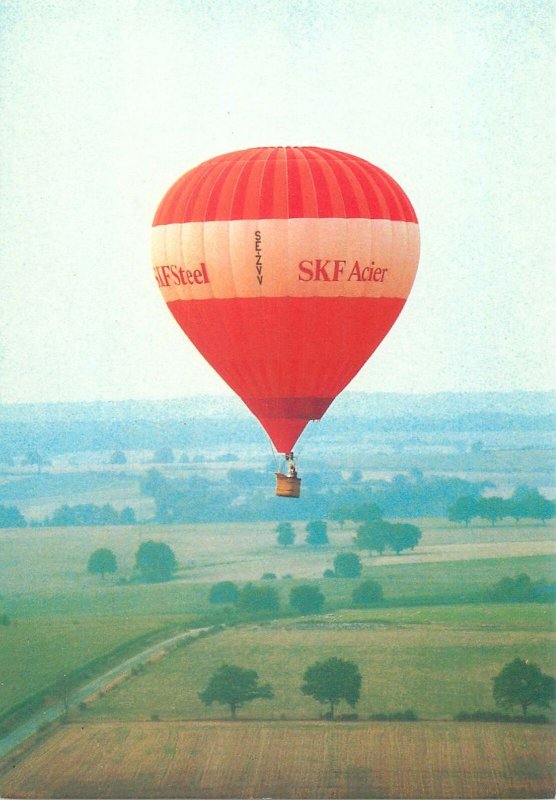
[
  {"x": 90, "y": 514},
  {"x": 519, "y": 683},
  {"x": 65, "y": 516},
  {"x": 240, "y": 497},
  {"x": 155, "y": 562},
  {"x": 316, "y": 534},
  {"x": 521, "y": 589},
  {"x": 525, "y": 503},
  {"x": 193, "y": 499},
  {"x": 303, "y": 598},
  {"x": 11, "y": 517},
  {"x": 165, "y": 455},
  {"x": 381, "y": 535},
  {"x": 412, "y": 495},
  {"x": 376, "y": 534},
  {"x": 250, "y": 598}
]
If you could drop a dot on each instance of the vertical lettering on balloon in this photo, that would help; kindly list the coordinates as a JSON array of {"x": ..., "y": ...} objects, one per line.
[{"x": 258, "y": 257}]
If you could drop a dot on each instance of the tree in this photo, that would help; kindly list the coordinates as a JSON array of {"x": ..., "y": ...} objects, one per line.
[
  {"x": 363, "y": 512},
  {"x": 516, "y": 503},
  {"x": 403, "y": 536},
  {"x": 530, "y": 503},
  {"x": 521, "y": 683},
  {"x": 316, "y": 533},
  {"x": 367, "y": 593},
  {"x": 118, "y": 457},
  {"x": 234, "y": 686},
  {"x": 331, "y": 681},
  {"x": 339, "y": 514},
  {"x": 154, "y": 483},
  {"x": 224, "y": 592},
  {"x": 492, "y": 508},
  {"x": 11, "y": 517},
  {"x": 512, "y": 590},
  {"x": 156, "y": 561},
  {"x": 372, "y": 536},
  {"x": 347, "y": 565},
  {"x": 366, "y": 512},
  {"x": 127, "y": 516},
  {"x": 34, "y": 458},
  {"x": 258, "y": 598},
  {"x": 102, "y": 561},
  {"x": 286, "y": 534},
  {"x": 164, "y": 455},
  {"x": 307, "y": 599},
  {"x": 463, "y": 510},
  {"x": 543, "y": 509}
]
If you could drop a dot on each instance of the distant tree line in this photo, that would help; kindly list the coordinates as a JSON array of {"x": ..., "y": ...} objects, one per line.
[
  {"x": 413, "y": 495},
  {"x": 240, "y": 498},
  {"x": 65, "y": 516},
  {"x": 525, "y": 503},
  {"x": 246, "y": 496},
  {"x": 303, "y": 598},
  {"x": 90, "y": 514}
]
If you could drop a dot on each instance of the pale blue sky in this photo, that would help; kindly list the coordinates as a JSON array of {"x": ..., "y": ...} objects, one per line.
[{"x": 105, "y": 104}]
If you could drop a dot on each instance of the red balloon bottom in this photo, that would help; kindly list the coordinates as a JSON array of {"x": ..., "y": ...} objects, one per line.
[{"x": 287, "y": 357}]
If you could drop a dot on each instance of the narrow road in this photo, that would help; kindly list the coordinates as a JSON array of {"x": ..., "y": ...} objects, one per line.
[{"x": 51, "y": 713}]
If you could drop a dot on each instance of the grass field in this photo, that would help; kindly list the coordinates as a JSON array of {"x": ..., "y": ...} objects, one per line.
[
  {"x": 55, "y": 559},
  {"x": 437, "y": 662},
  {"x": 301, "y": 760},
  {"x": 34, "y": 653},
  {"x": 43, "y": 571},
  {"x": 403, "y": 583},
  {"x": 62, "y": 618}
]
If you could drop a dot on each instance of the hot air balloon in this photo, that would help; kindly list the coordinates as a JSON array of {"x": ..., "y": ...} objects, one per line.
[{"x": 286, "y": 267}]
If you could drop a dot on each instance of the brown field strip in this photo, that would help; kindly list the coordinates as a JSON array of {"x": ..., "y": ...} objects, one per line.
[{"x": 288, "y": 760}]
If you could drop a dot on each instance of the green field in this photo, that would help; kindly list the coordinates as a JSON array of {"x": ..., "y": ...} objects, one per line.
[
  {"x": 34, "y": 653},
  {"x": 402, "y": 582},
  {"x": 63, "y": 618},
  {"x": 43, "y": 571},
  {"x": 432, "y": 646},
  {"x": 437, "y": 661},
  {"x": 51, "y": 559}
]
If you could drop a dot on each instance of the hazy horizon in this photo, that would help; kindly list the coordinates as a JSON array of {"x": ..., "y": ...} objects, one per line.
[{"x": 346, "y": 398}]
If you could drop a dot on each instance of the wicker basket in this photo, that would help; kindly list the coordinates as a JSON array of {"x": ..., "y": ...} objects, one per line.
[{"x": 287, "y": 485}]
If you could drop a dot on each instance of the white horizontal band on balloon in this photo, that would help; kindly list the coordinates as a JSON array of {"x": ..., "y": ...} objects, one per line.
[{"x": 302, "y": 257}]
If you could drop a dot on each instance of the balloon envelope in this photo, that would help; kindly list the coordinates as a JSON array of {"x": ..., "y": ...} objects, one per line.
[{"x": 286, "y": 267}]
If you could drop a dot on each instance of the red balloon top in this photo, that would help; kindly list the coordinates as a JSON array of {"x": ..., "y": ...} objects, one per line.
[{"x": 284, "y": 183}]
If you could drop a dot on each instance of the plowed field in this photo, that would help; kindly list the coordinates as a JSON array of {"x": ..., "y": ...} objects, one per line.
[{"x": 288, "y": 760}]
